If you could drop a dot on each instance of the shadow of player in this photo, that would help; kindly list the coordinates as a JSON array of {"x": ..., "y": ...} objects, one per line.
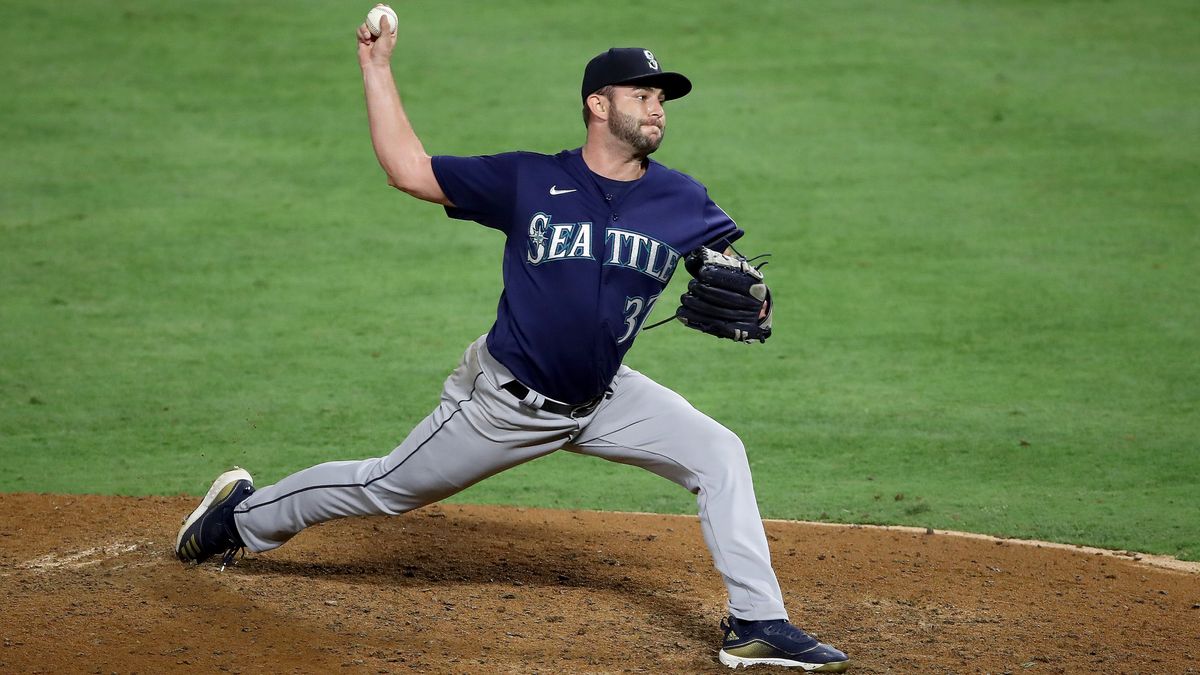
[{"x": 430, "y": 548}]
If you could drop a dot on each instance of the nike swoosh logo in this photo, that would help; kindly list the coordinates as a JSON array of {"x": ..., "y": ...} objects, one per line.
[{"x": 554, "y": 191}]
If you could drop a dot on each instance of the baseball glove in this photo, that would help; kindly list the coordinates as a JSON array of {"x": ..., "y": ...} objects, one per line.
[{"x": 727, "y": 297}]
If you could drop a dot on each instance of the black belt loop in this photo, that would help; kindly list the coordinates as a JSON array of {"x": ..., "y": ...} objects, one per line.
[{"x": 574, "y": 411}]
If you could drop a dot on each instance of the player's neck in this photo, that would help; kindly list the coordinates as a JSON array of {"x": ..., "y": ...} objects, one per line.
[{"x": 612, "y": 159}]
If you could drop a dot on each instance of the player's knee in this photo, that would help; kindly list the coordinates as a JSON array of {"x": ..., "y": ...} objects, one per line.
[
  {"x": 723, "y": 456},
  {"x": 729, "y": 444}
]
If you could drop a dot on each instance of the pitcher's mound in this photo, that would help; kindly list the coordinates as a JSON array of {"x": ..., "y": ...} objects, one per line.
[{"x": 91, "y": 584}]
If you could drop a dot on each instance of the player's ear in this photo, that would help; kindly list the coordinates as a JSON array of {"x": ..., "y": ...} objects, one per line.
[{"x": 598, "y": 105}]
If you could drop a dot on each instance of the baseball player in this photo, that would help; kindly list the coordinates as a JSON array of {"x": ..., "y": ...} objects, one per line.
[{"x": 593, "y": 236}]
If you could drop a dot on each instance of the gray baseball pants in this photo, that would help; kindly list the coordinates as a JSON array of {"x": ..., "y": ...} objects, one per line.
[{"x": 479, "y": 430}]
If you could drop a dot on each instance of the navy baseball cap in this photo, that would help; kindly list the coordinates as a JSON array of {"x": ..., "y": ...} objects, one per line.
[{"x": 632, "y": 65}]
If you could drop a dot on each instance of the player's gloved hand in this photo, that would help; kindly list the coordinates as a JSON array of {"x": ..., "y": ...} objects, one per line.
[{"x": 727, "y": 297}]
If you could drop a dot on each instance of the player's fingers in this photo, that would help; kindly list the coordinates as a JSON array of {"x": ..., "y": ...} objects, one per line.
[{"x": 387, "y": 38}]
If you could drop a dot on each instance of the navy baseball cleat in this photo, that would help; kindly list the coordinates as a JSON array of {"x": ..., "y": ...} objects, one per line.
[
  {"x": 210, "y": 529},
  {"x": 777, "y": 643}
]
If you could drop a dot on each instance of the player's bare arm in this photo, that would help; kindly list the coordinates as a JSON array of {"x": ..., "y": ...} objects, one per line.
[{"x": 397, "y": 146}]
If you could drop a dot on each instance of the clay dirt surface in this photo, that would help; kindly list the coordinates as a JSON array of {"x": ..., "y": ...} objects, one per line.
[{"x": 91, "y": 584}]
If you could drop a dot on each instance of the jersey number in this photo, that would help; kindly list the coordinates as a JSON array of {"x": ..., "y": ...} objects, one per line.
[{"x": 636, "y": 311}]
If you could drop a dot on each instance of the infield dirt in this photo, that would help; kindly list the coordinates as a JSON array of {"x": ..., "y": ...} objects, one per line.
[{"x": 90, "y": 584}]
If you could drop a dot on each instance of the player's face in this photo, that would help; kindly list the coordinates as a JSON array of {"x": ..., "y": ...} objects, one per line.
[{"x": 638, "y": 117}]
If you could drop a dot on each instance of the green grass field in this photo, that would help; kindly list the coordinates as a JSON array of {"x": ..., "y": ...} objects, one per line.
[{"x": 985, "y": 221}]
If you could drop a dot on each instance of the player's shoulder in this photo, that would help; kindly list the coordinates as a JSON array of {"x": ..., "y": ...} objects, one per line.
[
  {"x": 510, "y": 156},
  {"x": 528, "y": 162},
  {"x": 678, "y": 179},
  {"x": 520, "y": 157},
  {"x": 531, "y": 156}
]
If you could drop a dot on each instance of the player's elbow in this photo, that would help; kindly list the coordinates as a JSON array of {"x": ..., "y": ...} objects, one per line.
[
  {"x": 405, "y": 187},
  {"x": 424, "y": 189},
  {"x": 400, "y": 175},
  {"x": 401, "y": 184},
  {"x": 396, "y": 182},
  {"x": 413, "y": 174}
]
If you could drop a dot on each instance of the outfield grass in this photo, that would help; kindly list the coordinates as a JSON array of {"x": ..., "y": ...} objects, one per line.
[{"x": 985, "y": 221}]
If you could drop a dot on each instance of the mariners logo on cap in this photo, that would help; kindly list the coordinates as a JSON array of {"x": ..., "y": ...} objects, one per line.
[{"x": 629, "y": 65}]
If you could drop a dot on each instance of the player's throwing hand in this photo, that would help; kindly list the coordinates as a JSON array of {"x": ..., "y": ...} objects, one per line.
[{"x": 376, "y": 50}]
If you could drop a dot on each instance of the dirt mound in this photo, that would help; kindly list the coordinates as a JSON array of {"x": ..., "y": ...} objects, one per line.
[{"x": 90, "y": 584}]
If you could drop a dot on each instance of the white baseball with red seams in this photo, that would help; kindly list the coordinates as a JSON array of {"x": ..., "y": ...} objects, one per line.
[{"x": 374, "y": 15}]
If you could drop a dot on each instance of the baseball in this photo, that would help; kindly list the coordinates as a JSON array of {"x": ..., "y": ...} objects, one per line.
[{"x": 373, "y": 19}]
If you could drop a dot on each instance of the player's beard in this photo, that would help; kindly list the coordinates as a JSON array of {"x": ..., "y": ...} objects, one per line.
[{"x": 629, "y": 129}]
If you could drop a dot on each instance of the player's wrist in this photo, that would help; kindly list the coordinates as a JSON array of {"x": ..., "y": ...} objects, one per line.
[{"x": 373, "y": 67}]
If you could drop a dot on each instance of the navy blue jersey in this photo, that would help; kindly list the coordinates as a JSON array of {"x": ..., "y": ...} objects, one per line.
[{"x": 582, "y": 266}]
